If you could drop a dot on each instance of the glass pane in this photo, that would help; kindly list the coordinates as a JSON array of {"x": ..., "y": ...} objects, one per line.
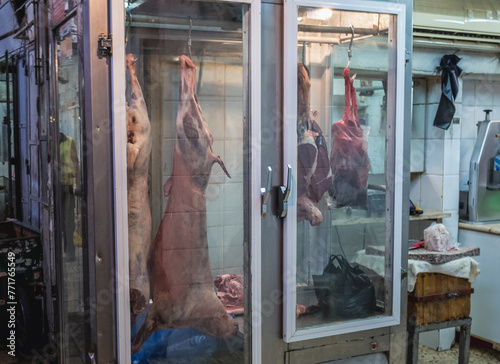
[
  {"x": 7, "y": 171},
  {"x": 342, "y": 244},
  {"x": 71, "y": 200},
  {"x": 185, "y": 130}
]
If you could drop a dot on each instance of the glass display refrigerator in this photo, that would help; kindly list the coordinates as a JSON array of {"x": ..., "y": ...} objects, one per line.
[{"x": 230, "y": 180}]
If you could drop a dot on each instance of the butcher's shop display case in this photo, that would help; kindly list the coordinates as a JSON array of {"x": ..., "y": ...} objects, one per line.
[
  {"x": 344, "y": 95},
  {"x": 188, "y": 124}
]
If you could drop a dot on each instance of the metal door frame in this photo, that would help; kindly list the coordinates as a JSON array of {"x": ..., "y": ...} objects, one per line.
[
  {"x": 291, "y": 334},
  {"x": 390, "y": 340},
  {"x": 117, "y": 87}
]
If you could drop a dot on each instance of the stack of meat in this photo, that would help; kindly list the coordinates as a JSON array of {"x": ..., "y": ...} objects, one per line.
[
  {"x": 349, "y": 155},
  {"x": 230, "y": 290},
  {"x": 314, "y": 176}
]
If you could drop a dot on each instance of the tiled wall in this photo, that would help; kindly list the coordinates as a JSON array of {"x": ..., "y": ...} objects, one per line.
[
  {"x": 447, "y": 153},
  {"x": 437, "y": 187}
]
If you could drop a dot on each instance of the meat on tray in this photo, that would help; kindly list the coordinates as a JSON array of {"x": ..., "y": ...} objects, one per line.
[
  {"x": 314, "y": 176},
  {"x": 183, "y": 287},
  {"x": 139, "y": 214},
  {"x": 230, "y": 290},
  {"x": 349, "y": 156}
]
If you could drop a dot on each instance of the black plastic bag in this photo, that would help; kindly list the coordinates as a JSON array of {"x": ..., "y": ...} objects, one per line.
[
  {"x": 449, "y": 87},
  {"x": 344, "y": 291}
]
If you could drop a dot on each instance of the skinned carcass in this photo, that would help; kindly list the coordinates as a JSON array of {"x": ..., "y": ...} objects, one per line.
[
  {"x": 139, "y": 214},
  {"x": 314, "y": 176},
  {"x": 183, "y": 288},
  {"x": 349, "y": 155}
]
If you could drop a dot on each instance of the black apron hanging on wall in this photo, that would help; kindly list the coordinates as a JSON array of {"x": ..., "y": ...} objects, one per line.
[{"x": 449, "y": 87}]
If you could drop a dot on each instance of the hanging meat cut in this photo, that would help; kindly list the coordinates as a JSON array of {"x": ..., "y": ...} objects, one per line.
[
  {"x": 183, "y": 288},
  {"x": 314, "y": 176},
  {"x": 349, "y": 155},
  {"x": 139, "y": 214}
]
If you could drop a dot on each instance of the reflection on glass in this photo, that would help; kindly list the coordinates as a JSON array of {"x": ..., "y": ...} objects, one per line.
[
  {"x": 343, "y": 62},
  {"x": 189, "y": 68},
  {"x": 71, "y": 205}
]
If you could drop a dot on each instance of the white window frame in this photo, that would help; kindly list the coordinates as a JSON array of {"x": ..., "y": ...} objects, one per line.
[
  {"x": 118, "y": 86},
  {"x": 290, "y": 331}
]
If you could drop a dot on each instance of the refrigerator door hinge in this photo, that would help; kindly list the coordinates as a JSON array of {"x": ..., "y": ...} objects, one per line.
[
  {"x": 105, "y": 45},
  {"x": 407, "y": 56},
  {"x": 404, "y": 273}
]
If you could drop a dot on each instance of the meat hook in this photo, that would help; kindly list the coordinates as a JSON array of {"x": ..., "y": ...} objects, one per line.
[
  {"x": 349, "y": 51},
  {"x": 189, "y": 38}
]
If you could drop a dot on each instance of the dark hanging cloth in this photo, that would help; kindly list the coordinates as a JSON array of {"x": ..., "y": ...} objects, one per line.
[{"x": 449, "y": 87}]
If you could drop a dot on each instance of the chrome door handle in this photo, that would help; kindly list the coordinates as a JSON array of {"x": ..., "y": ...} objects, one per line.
[
  {"x": 284, "y": 194},
  {"x": 265, "y": 192}
]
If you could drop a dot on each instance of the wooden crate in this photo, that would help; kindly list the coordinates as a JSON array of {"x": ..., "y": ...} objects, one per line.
[{"x": 438, "y": 297}]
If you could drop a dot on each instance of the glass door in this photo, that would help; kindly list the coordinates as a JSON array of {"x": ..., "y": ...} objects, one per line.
[
  {"x": 71, "y": 208},
  {"x": 185, "y": 112},
  {"x": 344, "y": 105}
]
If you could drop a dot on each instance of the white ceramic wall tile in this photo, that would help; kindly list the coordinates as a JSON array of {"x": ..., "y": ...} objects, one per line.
[
  {"x": 432, "y": 192},
  {"x": 484, "y": 93},
  {"x": 455, "y": 130},
  {"x": 215, "y": 236},
  {"x": 451, "y": 192},
  {"x": 233, "y": 217},
  {"x": 468, "y": 92},
  {"x": 233, "y": 235},
  {"x": 431, "y": 132},
  {"x": 451, "y": 157},
  {"x": 234, "y": 81},
  {"x": 468, "y": 122},
  {"x": 233, "y": 256},
  {"x": 496, "y": 93},
  {"x": 216, "y": 272},
  {"x": 415, "y": 189},
  {"x": 458, "y": 99},
  {"x": 417, "y": 155},
  {"x": 234, "y": 120},
  {"x": 495, "y": 114},
  {"x": 451, "y": 224},
  {"x": 233, "y": 197},
  {"x": 434, "y": 156},
  {"x": 212, "y": 82},
  {"x": 215, "y": 197},
  {"x": 419, "y": 91},
  {"x": 216, "y": 258},
  {"x": 234, "y": 160},
  {"x": 418, "y": 122},
  {"x": 377, "y": 159},
  {"x": 168, "y": 119},
  {"x": 466, "y": 147},
  {"x": 213, "y": 111},
  {"x": 433, "y": 90},
  {"x": 215, "y": 218},
  {"x": 235, "y": 270}
]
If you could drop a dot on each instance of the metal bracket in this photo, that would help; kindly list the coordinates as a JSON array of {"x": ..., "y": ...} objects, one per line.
[{"x": 104, "y": 45}]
